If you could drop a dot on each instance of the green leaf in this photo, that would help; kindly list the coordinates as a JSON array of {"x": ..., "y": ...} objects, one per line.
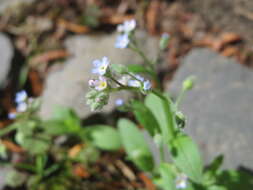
[
  {"x": 167, "y": 177},
  {"x": 235, "y": 180},
  {"x": 15, "y": 178},
  {"x": 186, "y": 157},
  {"x": 162, "y": 110},
  {"x": 105, "y": 137},
  {"x": 145, "y": 117},
  {"x": 121, "y": 69},
  {"x": 64, "y": 121},
  {"x": 136, "y": 68},
  {"x": 216, "y": 187},
  {"x": 135, "y": 145}
]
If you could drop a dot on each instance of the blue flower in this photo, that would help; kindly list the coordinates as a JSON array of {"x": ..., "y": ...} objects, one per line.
[
  {"x": 100, "y": 84},
  {"x": 127, "y": 26},
  {"x": 12, "y": 115},
  {"x": 147, "y": 85},
  {"x": 21, "y": 96},
  {"x": 122, "y": 41},
  {"x": 119, "y": 102},
  {"x": 100, "y": 66},
  {"x": 22, "y": 107},
  {"x": 136, "y": 82}
]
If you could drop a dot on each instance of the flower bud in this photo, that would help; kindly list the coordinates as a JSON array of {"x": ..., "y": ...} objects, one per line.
[
  {"x": 164, "y": 41},
  {"x": 188, "y": 83}
]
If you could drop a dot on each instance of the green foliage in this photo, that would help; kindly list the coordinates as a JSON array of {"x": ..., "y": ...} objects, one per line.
[
  {"x": 135, "y": 145},
  {"x": 168, "y": 177},
  {"x": 163, "y": 112},
  {"x": 186, "y": 157},
  {"x": 104, "y": 137},
  {"x": 145, "y": 117}
]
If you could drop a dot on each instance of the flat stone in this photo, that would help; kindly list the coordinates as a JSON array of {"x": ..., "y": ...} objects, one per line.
[
  {"x": 68, "y": 86},
  {"x": 6, "y": 54},
  {"x": 220, "y": 107}
]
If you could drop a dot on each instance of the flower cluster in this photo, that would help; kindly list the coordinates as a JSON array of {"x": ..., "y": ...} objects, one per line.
[
  {"x": 125, "y": 30},
  {"x": 114, "y": 77},
  {"x": 109, "y": 80},
  {"x": 21, "y": 101}
]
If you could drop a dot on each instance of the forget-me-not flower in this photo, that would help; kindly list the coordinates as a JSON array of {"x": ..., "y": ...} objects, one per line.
[
  {"x": 100, "y": 66},
  {"x": 127, "y": 26},
  {"x": 12, "y": 115},
  {"x": 119, "y": 102},
  {"x": 100, "y": 84},
  {"x": 147, "y": 85},
  {"x": 122, "y": 41},
  {"x": 22, "y": 107},
  {"x": 21, "y": 97},
  {"x": 181, "y": 181},
  {"x": 136, "y": 83}
]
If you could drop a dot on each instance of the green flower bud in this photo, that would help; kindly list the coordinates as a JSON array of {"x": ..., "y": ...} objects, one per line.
[
  {"x": 164, "y": 41},
  {"x": 188, "y": 83}
]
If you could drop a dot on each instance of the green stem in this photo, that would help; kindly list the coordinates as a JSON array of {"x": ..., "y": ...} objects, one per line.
[
  {"x": 180, "y": 97},
  {"x": 117, "y": 82}
]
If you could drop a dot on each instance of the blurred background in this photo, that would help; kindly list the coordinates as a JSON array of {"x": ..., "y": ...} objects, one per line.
[{"x": 47, "y": 46}]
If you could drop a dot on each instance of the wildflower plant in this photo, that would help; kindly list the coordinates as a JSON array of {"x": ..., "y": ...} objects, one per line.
[{"x": 158, "y": 114}]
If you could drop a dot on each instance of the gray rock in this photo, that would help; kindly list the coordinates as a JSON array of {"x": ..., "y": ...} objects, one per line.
[
  {"x": 68, "y": 86},
  {"x": 220, "y": 107},
  {"x": 6, "y": 54}
]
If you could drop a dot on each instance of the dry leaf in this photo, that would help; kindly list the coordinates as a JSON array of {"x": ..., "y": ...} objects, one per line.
[
  {"x": 75, "y": 150},
  {"x": 148, "y": 183},
  {"x": 76, "y": 28},
  {"x": 230, "y": 51},
  {"x": 116, "y": 19},
  {"x": 80, "y": 171},
  {"x": 36, "y": 82},
  {"x": 152, "y": 16},
  {"x": 12, "y": 147},
  {"x": 48, "y": 56}
]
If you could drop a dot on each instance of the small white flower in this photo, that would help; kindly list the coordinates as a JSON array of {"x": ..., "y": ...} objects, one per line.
[
  {"x": 22, "y": 107},
  {"x": 122, "y": 41},
  {"x": 181, "y": 181},
  {"x": 147, "y": 85},
  {"x": 12, "y": 115},
  {"x": 119, "y": 102},
  {"x": 91, "y": 83},
  {"x": 21, "y": 96},
  {"x": 100, "y": 66},
  {"x": 100, "y": 84},
  {"x": 127, "y": 26}
]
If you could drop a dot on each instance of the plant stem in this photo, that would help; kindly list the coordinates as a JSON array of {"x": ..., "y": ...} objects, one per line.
[{"x": 180, "y": 97}]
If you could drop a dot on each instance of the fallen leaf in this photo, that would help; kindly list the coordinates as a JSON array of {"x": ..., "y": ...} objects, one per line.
[
  {"x": 12, "y": 147},
  {"x": 116, "y": 19},
  {"x": 48, "y": 56},
  {"x": 148, "y": 183},
  {"x": 125, "y": 170},
  {"x": 36, "y": 82},
  {"x": 230, "y": 51},
  {"x": 80, "y": 171},
  {"x": 76, "y": 28},
  {"x": 152, "y": 16},
  {"x": 75, "y": 150},
  {"x": 225, "y": 39}
]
